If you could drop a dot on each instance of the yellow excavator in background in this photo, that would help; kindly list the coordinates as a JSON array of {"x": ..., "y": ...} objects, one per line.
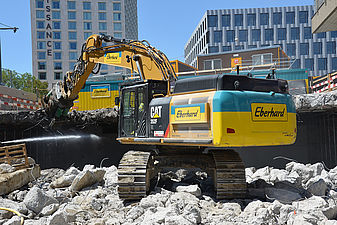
[{"x": 181, "y": 123}]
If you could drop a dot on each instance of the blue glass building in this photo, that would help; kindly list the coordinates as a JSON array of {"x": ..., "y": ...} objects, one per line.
[{"x": 289, "y": 27}]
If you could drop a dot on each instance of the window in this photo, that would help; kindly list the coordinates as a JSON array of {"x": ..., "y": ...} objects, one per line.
[
  {"x": 322, "y": 63},
  {"x": 321, "y": 35},
  {"x": 57, "y": 76},
  {"x": 57, "y": 45},
  {"x": 102, "y": 16},
  {"x": 72, "y": 45},
  {"x": 213, "y": 49},
  {"x": 87, "y": 15},
  {"x": 291, "y": 49},
  {"x": 264, "y": 19},
  {"x": 117, "y": 16},
  {"x": 226, "y": 20},
  {"x": 277, "y": 18},
  {"x": 71, "y": 5},
  {"x": 56, "y": 35},
  {"x": 309, "y": 64},
  {"x": 41, "y": 55},
  {"x": 116, "y": 6},
  {"x": 268, "y": 34},
  {"x": 252, "y": 46},
  {"x": 251, "y": 19},
  {"x": 41, "y": 65},
  {"x": 212, "y": 64},
  {"x": 87, "y": 25},
  {"x": 212, "y": 21},
  {"x": 72, "y": 35},
  {"x": 71, "y": 65},
  {"x": 295, "y": 33},
  {"x": 55, "y": 4},
  {"x": 307, "y": 33},
  {"x": 57, "y": 55},
  {"x": 296, "y": 64},
  {"x": 333, "y": 34},
  {"x": 243, "y": 35},
  {"x": 230, "y": 35},
  {"x": 117, "y": 26},
  {"x": 217, "y": 36},
  {"x": 334, "y": 63},
  {"x": 87, "y": 34},
  {"x": 317, "y": 47},
  {"x": 40, "y": 34},
  {"x": 102, "y": 25},
  {"x": 57, "y": 65},
  {"x": 71, "y": 25},
  {"x": 226, "y": 48},
  {"x": 39, "y": 4},
  {"x": 117, "y": 35},
  {"x": 304, "y": 49},
  {"x": 256, "y": 35},
  {"x": 86, "y": 5},
  {"x": 39, "y": 24},
  {"x": 281, "y": 34},
  {"x": 239, "y": 47},
  {"x": 331, "y": 47},
  {"x": 42, "y": 75},
  {"x": 101, "y": 6},
  {"x": 56, "y": 25},
  {"x": 39, "y": 14},
  {"x": 303, "y": 16},
  {"x": 72, "y": 55},
  {"x": 71, "y": 15},
  {"x": 104, "y": 67},
  {"x": 41, "y": 45},
  {"x": 290, "y": 17},
  {"x": 238, "y": 19},
  {"x": 56, "y": 14},
  {"x": 262, "y": 59}
]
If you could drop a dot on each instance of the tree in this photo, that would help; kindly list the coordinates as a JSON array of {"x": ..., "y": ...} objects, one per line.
[{"x": 24, "y": 82}]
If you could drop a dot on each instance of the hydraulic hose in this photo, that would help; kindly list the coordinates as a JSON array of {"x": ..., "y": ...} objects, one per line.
[{"x": 13, "y": 211}]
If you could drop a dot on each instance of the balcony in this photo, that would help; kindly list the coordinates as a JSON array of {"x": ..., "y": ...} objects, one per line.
[{"x": 325, "y": 18}]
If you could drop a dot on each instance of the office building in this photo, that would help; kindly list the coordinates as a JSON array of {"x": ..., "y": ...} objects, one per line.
[
  {"x": 325, "y": 16},
  {"x": 288, "y": 27},
  {"x": 60, "y": 27}
]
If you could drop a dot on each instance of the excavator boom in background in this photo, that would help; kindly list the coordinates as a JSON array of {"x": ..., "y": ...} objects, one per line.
[{"x": 182, "y": 123}]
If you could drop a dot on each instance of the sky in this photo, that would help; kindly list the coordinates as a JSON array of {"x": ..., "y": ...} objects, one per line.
[{"x": 167, "y": 25}]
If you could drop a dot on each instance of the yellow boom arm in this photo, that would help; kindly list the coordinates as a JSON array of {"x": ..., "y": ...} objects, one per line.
[{"x": 138, "y": 56}]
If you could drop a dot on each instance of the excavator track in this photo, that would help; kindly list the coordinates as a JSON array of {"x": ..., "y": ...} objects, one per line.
[
  {"x": 229, "y": 177},
  {"x": 137, "y": 168},
  {"x": 133, "y": 175}
]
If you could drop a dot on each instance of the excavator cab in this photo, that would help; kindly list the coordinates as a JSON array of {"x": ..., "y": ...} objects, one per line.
[{"x": 135, "y": 98}]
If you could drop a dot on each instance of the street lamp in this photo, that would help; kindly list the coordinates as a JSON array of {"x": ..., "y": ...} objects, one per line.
[{"x": 5, "y": 28}]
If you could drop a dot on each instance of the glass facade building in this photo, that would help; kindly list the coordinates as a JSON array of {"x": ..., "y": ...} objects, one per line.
[
  {"x": 60, "y": 27},
  {"x": 288, "y": 27}
]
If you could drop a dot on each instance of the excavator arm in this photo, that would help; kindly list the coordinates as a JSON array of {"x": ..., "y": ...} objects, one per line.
[{"x": 138, "y": 56}]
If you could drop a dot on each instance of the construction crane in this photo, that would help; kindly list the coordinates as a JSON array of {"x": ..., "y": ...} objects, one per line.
[
  {"x": 5, "y": 28},
  {"x": 181, "y": 123}
]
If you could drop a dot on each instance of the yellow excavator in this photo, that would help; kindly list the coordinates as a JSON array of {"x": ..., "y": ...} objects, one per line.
[{"x": 181, "y": 123}]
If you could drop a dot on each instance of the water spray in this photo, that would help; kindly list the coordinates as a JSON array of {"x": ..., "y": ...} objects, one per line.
[{"x": 51, "y": 138}]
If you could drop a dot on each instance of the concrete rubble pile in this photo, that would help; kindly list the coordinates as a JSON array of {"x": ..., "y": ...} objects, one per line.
[
  {"x": 316, "y": 102},
  {"x": 298, "y": 194}
]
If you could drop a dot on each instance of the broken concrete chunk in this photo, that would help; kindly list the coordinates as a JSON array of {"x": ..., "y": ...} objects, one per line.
[
  {"x": 6, "y": 168},
  {"x": 36, "y": 199},
  {"x": 49, "y": 209},
  {"x": 87, "y": 178},
  {"x": 192, "y": 189}
]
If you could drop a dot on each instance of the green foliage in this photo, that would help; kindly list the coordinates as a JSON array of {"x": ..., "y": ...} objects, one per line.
[{"x": 25, "y": 82}]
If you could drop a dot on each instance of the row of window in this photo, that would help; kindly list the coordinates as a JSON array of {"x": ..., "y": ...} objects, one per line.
[
  {"x": 72, "y": 34},
  {"x": 56, "y": 15},
  {"x": 86, "y": 26},
  {"x": 281, "y": 34},
  {"x": 251, "y": 19},
  {"x": 58, "y": 65},
  {"x": 317, "y": 48},
  {"x": 43, "y": 75},
  {"x": 72, "y": 5}
]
